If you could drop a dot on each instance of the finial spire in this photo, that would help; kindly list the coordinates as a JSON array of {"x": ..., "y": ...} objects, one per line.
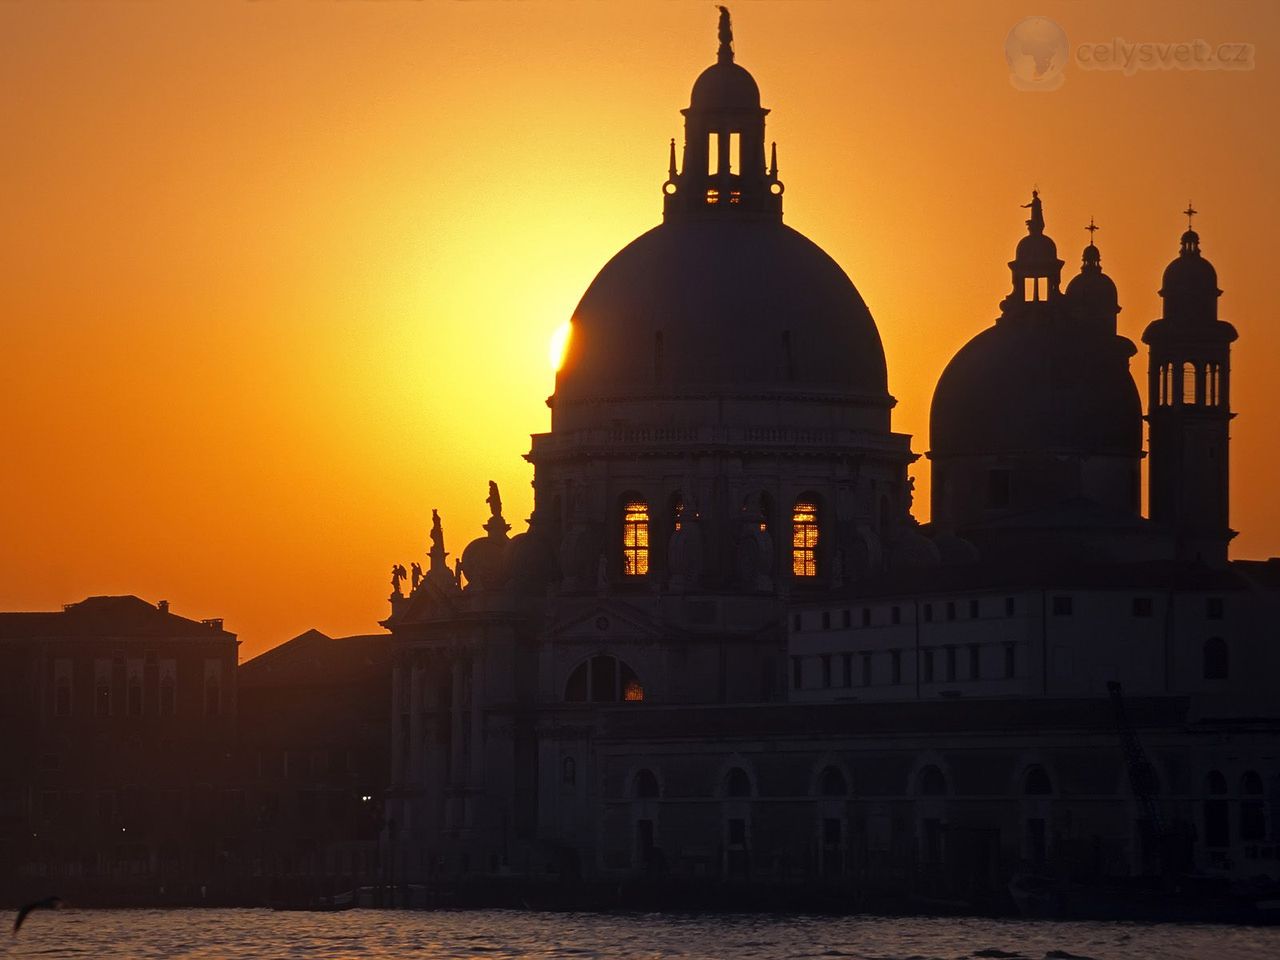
[
  {"x": 1190, "y": 212},
  {"x": 726, "y": 37},
  {"x": 671, "y": 165},
  {"x": 773, "y": 159}
]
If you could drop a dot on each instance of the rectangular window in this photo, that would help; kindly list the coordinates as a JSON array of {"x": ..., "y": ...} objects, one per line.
[
  {"x": 951, "y": 609},
  {"x": 635, "y": 539},
  {"x": 866, "y": 616},
  {"x": 928, "y": 613},
  {"x": 926, "y": 666},
  {"x": 999, "y": 489},
  {"x": 951, "y": 663},
  {"x": 973, "y": 609},
  {"x": 1009, "y": 661},
  {"x": 975, "y": 662},
  {"x": 1028, "y": 286},
  {"x": 826, "y": 671},
  {"x": 1214, "y": 608},
  {"x": 846, "y": 663},
  {"x": 1142, "y": 606},
  {"x": 895, "y": 666},
  {"x": 804, "y": 540},
  {"x": 848, "y": 620},
  {"x": 1009, "y": 606},
  {"x": 797, "y": 673},
  {"x": 826, "y": 619},
  {"x": 735, "y": 154},
  {"x": 1063, "y": 606},
  {"x": 866, "y": 669},
  {"x": 895, "y": 615},
  {"x": 713, "y": 154}
]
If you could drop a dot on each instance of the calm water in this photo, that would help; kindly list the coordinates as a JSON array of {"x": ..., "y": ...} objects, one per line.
[{"x": 236, "y": 934}]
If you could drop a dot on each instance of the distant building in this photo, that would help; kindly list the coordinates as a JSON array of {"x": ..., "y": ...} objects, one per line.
[
  {"x": 313, "y": 755},
  {"x": 725, "y": 648},
  {"x": 118, "y": 729}
]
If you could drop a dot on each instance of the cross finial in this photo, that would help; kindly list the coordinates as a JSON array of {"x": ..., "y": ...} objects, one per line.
[
  {"x": 1092, "y": 228},
  {"x": 1190, "y": 212}
]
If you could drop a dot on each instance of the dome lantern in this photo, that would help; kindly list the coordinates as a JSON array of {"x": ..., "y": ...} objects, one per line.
[
  {"x": 1036, "y": 269},
  {"x": 723, "y": 171}
]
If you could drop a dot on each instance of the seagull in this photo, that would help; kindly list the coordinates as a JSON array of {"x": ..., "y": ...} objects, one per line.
[{"x": 48, "y": 903}]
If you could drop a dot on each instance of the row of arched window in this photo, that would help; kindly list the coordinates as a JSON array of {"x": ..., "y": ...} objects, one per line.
[
  {"x": 637, "y": 519},
  {"x": 1190, "y": 384}
]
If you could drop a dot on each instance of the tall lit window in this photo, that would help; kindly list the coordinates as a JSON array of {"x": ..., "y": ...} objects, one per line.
[
  {"x": 635, "y": 538},
  {"x": 804, "y": 539}
]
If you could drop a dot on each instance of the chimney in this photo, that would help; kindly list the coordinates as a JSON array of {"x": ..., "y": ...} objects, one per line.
[{"x": 163, "y": 606}]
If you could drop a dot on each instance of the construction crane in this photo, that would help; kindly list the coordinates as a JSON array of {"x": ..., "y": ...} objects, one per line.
[{"x": 1142, "y": 776}]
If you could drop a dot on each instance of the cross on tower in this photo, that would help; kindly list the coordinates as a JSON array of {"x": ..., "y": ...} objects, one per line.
[
  {"x": 1190, "y": 212},
  {"x": 1092, "y": 227}
]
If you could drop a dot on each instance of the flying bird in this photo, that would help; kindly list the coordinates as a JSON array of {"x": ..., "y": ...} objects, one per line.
[{"x": 48, "y": 903}]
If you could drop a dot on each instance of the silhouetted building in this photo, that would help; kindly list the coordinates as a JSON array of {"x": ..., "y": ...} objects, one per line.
[
  {"x": 118, "y": 731},
  {"x": 724, "y": 647},
  {"x": 313, "y": 751}
]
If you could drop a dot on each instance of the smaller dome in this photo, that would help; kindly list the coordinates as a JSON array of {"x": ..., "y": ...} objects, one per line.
[
  {"x": 1091, "y": 292},
  {"x": 914, "y": 551},
  {"x": 1190, "y": 272},
  {"x": 955, "y": 550},
  {"x": 531, "y": 562},
  {"x": 1036, "y": 248},
  {"x": 725, "y": 86},
  {"x": 484, "y": 561}
]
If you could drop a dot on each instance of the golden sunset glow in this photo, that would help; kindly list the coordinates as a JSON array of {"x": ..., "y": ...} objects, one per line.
[
  {"x": 559, "y": 344},
  {"x": 274, "y": 273}
]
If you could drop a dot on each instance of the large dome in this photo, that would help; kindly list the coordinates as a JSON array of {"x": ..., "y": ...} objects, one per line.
[
  {"x": 728, "y": 307},
  {"x": 1017, "y": 388}
]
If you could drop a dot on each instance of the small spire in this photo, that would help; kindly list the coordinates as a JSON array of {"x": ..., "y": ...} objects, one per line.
[
  {"x": 671, "y": 166},
  {"x": 773, "y": 159},
  {"x": 726, "y": 37},
  {"x": 1092, "y": 257},
  {"x": 1190, "y": 212}
]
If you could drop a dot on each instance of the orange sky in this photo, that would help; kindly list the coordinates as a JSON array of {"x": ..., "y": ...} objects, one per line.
[{"x": 279, "y": 277}]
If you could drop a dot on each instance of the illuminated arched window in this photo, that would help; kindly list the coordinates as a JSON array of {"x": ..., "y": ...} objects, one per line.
[
  {"x": 804, "y": 539},
  {"x": 635, "y": 538},
  {"x": 603, "y": 679}
]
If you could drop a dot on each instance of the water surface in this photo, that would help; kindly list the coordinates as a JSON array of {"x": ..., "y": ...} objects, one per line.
[{"x": 500, "y": 934}]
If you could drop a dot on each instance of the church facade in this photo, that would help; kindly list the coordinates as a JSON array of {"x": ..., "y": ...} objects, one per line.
[{"x": 724, "y": 648}]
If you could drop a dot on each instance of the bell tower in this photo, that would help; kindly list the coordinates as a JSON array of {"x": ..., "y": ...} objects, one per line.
[{"x": 1189, "y": 406}]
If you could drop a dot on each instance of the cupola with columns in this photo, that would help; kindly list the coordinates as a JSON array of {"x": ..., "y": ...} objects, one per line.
[{"x": 1189, "y": 405}]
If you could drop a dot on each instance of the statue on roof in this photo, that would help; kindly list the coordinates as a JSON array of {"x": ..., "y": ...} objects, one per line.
[
  {"x": 398, "y": 573},
  {"x": 1036, "y": 223},
  {"x": 494, "y": 500},
  {"x": 416, "y": 577},
  {"x": 726, "y": 36}
]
